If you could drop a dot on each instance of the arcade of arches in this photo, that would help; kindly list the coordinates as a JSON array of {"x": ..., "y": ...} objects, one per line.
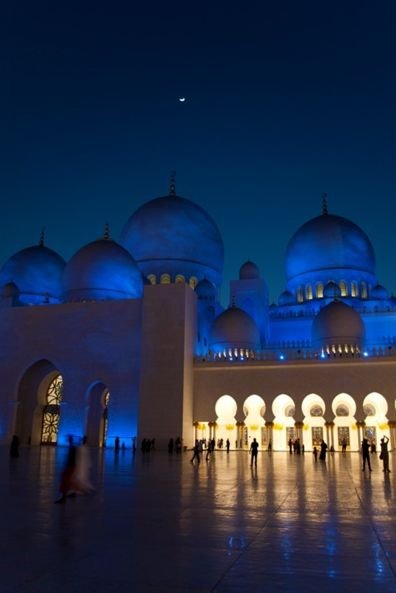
[{"x": 337, "y": 423}]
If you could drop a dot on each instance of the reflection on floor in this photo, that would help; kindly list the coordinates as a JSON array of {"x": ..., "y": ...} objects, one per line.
[{"x": 159, "y": 524}]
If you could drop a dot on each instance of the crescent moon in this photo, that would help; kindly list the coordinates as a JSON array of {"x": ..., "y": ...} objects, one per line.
[{"x": 182, "y": 99}]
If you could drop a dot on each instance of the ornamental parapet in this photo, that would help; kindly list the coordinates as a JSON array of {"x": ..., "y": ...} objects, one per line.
[{"x": 284, "y": 352}]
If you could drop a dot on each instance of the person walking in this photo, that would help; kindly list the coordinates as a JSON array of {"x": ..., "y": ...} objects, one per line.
[
  {"x": 253, "y": 452},
  {"x": 196, "y": 450},
  {"x": 384, "y": 455},
  {"x": 366, "y": 454},
  {"x": 68, "y": 483},
  {"x": 228, "y": 445}
]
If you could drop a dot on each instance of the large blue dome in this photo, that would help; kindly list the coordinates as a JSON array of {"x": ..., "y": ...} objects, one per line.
[
  {"x": 329, "y": 244},
  {"x": 172, "y": 235},
  {"x": 37, "y": 273},
  {"x": 102, "y": 270}
]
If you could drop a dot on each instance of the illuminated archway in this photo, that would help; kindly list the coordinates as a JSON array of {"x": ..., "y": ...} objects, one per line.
[
  {"x": 254, "y": 410},
  {"x": 344, "y": 410},
  {"x": 283, "y": 409},
  {"x": 97, "y": 415},
  {"x": 375, "y": 408},
  {"x": 313, "y": 409},
  {"x": 226, "y": 409},
  {"x": 33, "y": 402}
]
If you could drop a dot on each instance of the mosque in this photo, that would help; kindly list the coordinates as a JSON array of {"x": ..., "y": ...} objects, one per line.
[{"x": 128, "y": 339}]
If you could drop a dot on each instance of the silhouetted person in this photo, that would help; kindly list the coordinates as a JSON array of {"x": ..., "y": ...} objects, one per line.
[
  {"x": 228, "y": 445},
  {"x": 384, "y": 455},
  {"x": 170, "y": 446},
  {"x": 253, "y": 452},
  {"x": 196, "y": 453},
  {"x": 67, "y": 484},
  {"x": 270, "y": 446},
  {"x": 315, "y": 453},
  {"x": 290, "y": 443},
  {"x": 366, "y": 454},
  {"x": 14, "y": 447},
  {"x": 117, "y": 444},
  {"x": 323, "y": 449},
  {"x": 209, "y": 450},
  {"x": 344, "y": 445}
]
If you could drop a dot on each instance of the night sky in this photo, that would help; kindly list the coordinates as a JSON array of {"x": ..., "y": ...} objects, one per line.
[{"x": 285, "y": 100}]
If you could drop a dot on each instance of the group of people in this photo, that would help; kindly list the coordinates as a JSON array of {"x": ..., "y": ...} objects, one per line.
[
  {"x": 384, "y": 454},
  {"x": 209, "y": 446},
  {"x": 147, "y": 445},
  {"x": 175, "y": 445},
  {"x": 295, "y": 446}
]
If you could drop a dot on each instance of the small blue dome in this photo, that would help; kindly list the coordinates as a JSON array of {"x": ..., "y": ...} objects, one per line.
[
  {"x": 286, "y": 298},
  {"x": 328, "y": 243},
  {"x": 234, "y": 329},
  {"x": 102, "y": 270},
  {"x": 172, "y": 235},
  {"x": 379, "y": 292},
  {"x": 37, "y": 273},
  {"x": 331, "y": 290},
  {"x": 205, "y": 290},
  {"x": 249, "y": 271},
  {"x": 10, "y": 291}
]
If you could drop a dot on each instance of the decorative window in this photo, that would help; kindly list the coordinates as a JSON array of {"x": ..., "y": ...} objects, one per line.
[
  {"x": 180, "y": 279},
  {"x": 317, "y": 435},
  {"x": 165, "y": 279},
  {"x": 369, "y": 410},
  {"x": 343, "y": 288},
  {"x": 316, "y": 411},
  {"x": 363, "y": 290},
  {"x": 308, "y": 292},
  {"x": 354, "y": 289},
  {"x": 193, "y": 282},
  {"x": 300, "y": 294},
  {"x": 342, "y": 410},
  {"x": 319, "y": 291},
  {"x": 51, "y": 412},
  {"x": 152, "y": 278}
]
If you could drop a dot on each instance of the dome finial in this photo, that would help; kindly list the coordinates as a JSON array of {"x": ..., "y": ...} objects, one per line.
[
  {"x": 106, "y": 231},
  {"x": 42, "y": 237},
  {"x": 172, "y": 185},
  {"x": 324, "y": 204}
]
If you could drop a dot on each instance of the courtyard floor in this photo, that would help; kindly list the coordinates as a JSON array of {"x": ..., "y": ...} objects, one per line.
[{"x": 158, "y": 524}]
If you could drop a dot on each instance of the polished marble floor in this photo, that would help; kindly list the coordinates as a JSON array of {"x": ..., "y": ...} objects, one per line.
[{"x": 158, "y": 524}]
